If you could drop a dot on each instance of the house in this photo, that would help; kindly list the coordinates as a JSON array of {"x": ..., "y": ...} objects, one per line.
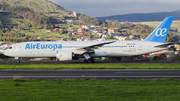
[
  {"x": 56, "y": 30},
  {"x": 88, "y": 32},
  {"x": 102, "y": 36},
  {"x": 85, "y": 27},
  {"x": 99, "y": 30},
  {"x": 48, "y": 31},
  {"x": 95, "y": 31},
  {"x": 81, "y": 30},
  {"x": 176, "y": 46},
  {"x": 87, "y": 39},
  {"x": 70, "y": 22},
  {"x": 131, "y": 37},
  {"x": 121, "y": 38},
  {"x": 99, "y": 34},
  {"x": 33, "y": 36},
  {"x": 79, "y": 39},
  {"x": 74, "y": 14},
  {"x": 110, "y": 31},
  {"x": 115, "y": 34},
  {"x": 3, "y": 47},
  {"x": 73, "y": 33},
  {"x": 92, "y": 27},
  {"x": 4, "y": 44}
]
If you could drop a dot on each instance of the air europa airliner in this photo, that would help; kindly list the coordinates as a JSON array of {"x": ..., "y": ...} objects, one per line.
[{"x": 72, "y": 50}]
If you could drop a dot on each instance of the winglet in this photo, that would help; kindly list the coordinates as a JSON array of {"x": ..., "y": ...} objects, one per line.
[{"x": 160, "y": 33}]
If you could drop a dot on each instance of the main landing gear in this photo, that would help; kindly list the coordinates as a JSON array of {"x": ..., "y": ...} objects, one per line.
[
  {"x": 91, "y": 60},
  {"x": 88, "y": 58}
]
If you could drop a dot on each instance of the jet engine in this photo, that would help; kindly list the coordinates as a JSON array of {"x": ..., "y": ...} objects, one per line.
[{"x": 64, "y": 55}]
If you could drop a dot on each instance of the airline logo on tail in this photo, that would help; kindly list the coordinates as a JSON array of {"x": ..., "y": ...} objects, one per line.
[{"x": 161, "y": 32}]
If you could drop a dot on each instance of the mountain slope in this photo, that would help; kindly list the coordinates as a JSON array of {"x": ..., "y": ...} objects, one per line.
[
  {"x": 34, "y": 20},
  {"x": 40, "y": 6},
  {"x": 140, "y": 17}
]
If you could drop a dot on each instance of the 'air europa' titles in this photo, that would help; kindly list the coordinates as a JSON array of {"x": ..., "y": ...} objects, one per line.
[{"x": 43, "y": 46}]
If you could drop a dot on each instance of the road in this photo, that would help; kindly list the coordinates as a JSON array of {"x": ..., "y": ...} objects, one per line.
[{"x": 89, "y": 74}]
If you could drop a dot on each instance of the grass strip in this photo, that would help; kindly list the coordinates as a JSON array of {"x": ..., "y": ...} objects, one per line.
[
  {"x": 90, "y": 66},
  {"x": 90, "y": 90}
]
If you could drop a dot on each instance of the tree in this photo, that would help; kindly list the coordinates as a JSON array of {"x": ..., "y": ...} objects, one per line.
[
  {"x": 163, "y": 56},
  {"x": 88, "y": 20},
  {"x": 70, "y": 35}
]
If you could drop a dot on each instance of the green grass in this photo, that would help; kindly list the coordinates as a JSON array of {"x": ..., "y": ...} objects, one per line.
[
  {"x": 75, "y": 27},
  {"x": 90, "y": 90},
  {"x": 91, "y": 66},
  {"x": 65, "y": 35}
]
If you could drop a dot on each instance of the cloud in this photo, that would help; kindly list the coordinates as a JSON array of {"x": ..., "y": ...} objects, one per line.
[{"x": 98, "y": 8}]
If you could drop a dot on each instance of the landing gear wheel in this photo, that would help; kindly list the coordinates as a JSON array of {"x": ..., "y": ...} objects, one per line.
[
  {"x": 85, "y": 61},
  {"x": 18, "y": 61},
  {"x": 57, "y": 59},
  {"x": 90, "y": 60}
]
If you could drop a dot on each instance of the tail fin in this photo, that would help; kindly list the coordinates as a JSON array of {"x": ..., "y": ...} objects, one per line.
[{"x": 160, "y": 33}]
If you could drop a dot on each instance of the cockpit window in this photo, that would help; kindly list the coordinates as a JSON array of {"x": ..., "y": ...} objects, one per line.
[{"x": 10, "y": 48}]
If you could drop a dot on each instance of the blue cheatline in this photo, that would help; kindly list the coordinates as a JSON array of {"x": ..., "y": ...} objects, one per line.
[{"x": 161, "y": 32}]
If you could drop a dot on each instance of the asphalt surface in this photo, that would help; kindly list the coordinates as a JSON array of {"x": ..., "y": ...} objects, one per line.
[
  {"x": 105, "y": 74},
  {"x": 65, "y": 63}
]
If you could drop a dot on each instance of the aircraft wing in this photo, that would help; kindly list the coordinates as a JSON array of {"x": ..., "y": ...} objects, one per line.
[{"x": 91, "y": 48}]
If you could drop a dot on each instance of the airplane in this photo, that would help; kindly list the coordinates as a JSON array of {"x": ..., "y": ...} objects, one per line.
[{"x": 73, "y": 50}]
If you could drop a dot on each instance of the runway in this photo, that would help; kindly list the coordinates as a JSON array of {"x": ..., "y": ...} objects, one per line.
[
  {"x": 105, "y": 74},
  {"x": 79, "y": 63}
]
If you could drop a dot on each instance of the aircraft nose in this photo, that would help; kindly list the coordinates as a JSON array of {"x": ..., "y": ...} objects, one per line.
[{"x": 6, "y": 53}]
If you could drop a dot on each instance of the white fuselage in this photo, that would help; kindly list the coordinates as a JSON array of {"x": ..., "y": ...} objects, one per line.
[
  {"x": 49, "y": 48},
  {"x": 71, "y": 50}
]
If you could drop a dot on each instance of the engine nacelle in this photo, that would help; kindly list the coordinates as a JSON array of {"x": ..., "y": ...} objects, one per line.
[{"x": 64, "y": 55}]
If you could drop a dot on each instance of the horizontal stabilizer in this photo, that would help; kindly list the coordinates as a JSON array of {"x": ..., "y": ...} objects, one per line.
[{"x": 164, "y": 45}]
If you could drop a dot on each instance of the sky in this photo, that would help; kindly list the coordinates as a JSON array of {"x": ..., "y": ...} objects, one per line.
[{"x": 102, "y": 8}]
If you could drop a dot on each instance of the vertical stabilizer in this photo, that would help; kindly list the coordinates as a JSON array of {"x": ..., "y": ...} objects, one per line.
[{"x": 160, "y": 33}]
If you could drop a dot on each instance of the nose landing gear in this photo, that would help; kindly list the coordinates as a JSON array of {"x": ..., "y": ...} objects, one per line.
[{"x": 18, "y": 59}]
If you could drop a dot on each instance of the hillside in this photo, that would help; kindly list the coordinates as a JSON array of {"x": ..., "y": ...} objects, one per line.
[
  {"x": 22, "y": 20},
  {"x": 142, "y": 17},
  {"x": 41, "y": 20},
  {"x": 46, "y": 8},
  {"x": 40, "y": 6}
]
